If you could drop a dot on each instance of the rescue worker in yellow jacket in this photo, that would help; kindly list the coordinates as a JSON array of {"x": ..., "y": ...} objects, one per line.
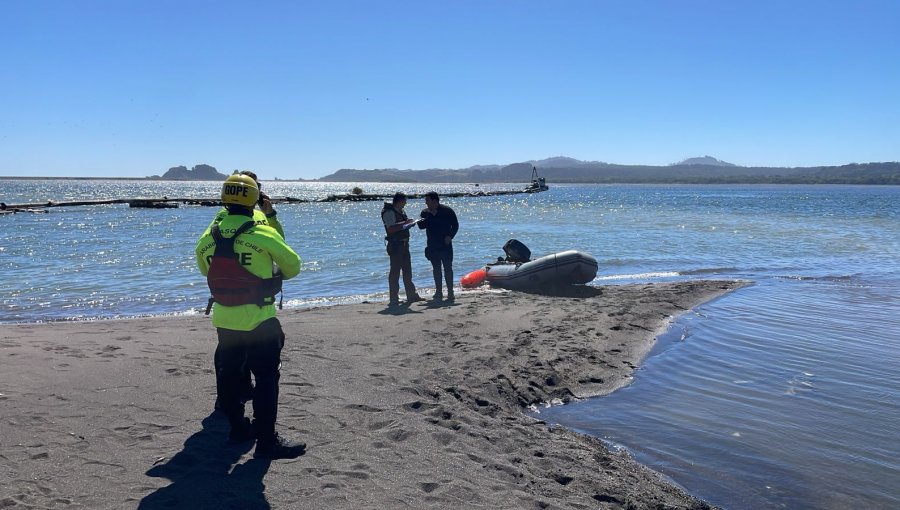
[
  {"x": 244, "y": 263},
  {"x": 264, "y": 215}
]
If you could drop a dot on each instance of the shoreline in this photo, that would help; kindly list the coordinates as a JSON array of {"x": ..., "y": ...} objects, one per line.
[{"x": 421, "y": 409}]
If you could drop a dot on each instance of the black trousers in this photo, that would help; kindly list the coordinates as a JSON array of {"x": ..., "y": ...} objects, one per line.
[
  {"x": 398, "y": 251},
  {"x": 442, "y": 256},
  {"x": 260, "y": 351}
]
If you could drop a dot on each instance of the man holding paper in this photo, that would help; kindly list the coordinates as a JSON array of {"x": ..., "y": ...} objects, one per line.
[{"x": 396, "y": 226}]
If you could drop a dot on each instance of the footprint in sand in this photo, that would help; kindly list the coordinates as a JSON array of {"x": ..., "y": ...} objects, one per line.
[
  {"x": 363, "y": 407},
  {"x": 429, "y": 487}
]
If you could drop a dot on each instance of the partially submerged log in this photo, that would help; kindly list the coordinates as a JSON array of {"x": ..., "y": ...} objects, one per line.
[
  {"x": 4, "y": 209},
  {"x": 152, "y": 204}
]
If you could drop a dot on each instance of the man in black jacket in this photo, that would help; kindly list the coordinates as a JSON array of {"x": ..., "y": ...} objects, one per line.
[{"x": 441, "y": 225}]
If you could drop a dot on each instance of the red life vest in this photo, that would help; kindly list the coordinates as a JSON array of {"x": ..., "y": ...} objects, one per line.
[{"x": 230, "y": 283}]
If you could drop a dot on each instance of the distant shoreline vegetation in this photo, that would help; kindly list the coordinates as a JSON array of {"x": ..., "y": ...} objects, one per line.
[
  {"x": 705, "y": 170},
  {"x": 563, "y": 170}
]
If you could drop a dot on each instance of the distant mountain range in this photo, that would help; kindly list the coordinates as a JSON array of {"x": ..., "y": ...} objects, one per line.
[
  {"x": 700, "y": 170},
  {"x": 561, "y": 169}
]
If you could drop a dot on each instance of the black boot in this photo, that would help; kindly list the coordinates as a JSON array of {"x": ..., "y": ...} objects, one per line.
[
  {"x": 449, "y": 277},
  {"x": 277, "y": 447},
  {"x": 438, "y": 291}
]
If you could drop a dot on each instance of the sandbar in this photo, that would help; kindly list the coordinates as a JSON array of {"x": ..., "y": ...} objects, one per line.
[{"x": 417, "y": 408}]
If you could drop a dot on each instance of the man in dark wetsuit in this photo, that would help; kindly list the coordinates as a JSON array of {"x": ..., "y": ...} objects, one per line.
[
  {"x": 441, "y": 225},
  {"x": 396, "y": 226}
]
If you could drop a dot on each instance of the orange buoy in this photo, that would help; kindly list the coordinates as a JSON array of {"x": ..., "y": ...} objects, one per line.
[{"x": 473, "y": 279}]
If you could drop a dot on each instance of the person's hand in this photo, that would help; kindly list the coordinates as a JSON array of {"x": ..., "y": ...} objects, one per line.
[
  {"x": 265, "y": 204},
  {"x": 448, "y": 240}
]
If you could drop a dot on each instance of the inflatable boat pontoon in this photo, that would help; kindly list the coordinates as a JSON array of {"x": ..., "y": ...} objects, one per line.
[{"x": 564, "y": 268}]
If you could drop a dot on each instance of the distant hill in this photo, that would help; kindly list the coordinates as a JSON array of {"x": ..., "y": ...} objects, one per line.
[
  {"x": 198, "y": 173},
  {"x": 690, "y": 171},
  {"x": 705, "y": 160},
  {"x": 562, "y": 162}
]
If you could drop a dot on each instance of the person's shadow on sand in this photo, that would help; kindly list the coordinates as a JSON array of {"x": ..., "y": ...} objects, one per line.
[
  {"x": 201, "y": 478},
  {"x": 569, "y": 291},
  {"x": 446, "y": 303},
  {"x": 398, "y": 310}
]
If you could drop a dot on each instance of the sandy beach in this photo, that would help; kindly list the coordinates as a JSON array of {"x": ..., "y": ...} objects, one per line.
[{"x": 416, "y": 409}]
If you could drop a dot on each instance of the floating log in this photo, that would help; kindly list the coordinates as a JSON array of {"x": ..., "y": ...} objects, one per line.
[
  {"x": 14, "y": 210},
  {"x": 51, "y": 203},
  {"x": 152, "y": 204}
]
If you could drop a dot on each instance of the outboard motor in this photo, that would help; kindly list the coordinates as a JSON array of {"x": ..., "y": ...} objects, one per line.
[{"x": 516, "y": 251}]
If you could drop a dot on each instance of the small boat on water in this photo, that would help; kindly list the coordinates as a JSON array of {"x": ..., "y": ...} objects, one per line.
[
  {"x": 538, "y": 184},
  {"x": 519, "y": 272}
]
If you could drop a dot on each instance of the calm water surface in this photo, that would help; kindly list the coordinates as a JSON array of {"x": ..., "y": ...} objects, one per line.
[{"x": 780, "y": 395}]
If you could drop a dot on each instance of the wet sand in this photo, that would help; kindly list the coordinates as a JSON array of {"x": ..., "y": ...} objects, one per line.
[{"x": 420, "y": 408}]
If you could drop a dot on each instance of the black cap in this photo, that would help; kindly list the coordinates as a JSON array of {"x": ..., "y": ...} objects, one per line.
[{"x": 399, "y": 197}]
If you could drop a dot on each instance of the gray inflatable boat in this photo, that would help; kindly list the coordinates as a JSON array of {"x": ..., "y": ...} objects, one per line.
[{"x": 570, "y": 267}]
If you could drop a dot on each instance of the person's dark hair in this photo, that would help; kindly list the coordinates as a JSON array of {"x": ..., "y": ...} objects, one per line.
[
  {"x": 399, "y": 197},
  {"x": 252, "y": 175},
  {"x": 433, "y": 195}
]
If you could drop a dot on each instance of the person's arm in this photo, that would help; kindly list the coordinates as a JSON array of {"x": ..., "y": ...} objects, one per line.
[
  {"x": 268, "y": 210},
  {"x": 265, "y": 204},
  {"x": 287, "y": 259},
  {"x": 454, "y": 224},
  {"x": 274, "y": 223},
  {"x": 424, "y": 219},
  {"x": 397, "y": 227},
  {"x": 390, "y": 226}
]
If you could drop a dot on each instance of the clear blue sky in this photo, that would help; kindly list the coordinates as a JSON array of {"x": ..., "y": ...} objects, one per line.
[{"x": 301, "y": 89}]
